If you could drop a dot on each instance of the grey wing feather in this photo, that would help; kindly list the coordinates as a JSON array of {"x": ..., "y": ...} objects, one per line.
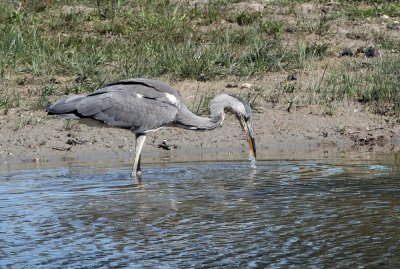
[
  {"x": 134, "y": 104},
  {"x": 66, "y": 104},
  {"x": 65, "y": 107},
  {"x": 89, "y": 106}
]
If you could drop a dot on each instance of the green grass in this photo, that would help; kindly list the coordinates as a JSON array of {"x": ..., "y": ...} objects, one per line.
[
  {"x": 44, "y": 96},
  {"x": 150, "y": 39},
  {"x": 9, "y": 99},
  {"x": 74, "y": 46},
  {"x": 386, "y": 42},
  {"x": 201, "y": 103},
  {"x": 24, "y": 121},
  {"x": 70, "y": 125},
  {"x": 272, "y": 27},
  {"x": 376, "y": 84},
  {"x": 368, "y": 9}
]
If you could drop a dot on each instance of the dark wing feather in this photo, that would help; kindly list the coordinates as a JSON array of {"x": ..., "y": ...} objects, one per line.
[{"x": 156, "y": 85}]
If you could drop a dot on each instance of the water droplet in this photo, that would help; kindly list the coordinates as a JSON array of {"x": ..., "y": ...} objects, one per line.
[{"x": 252, "y": 161}]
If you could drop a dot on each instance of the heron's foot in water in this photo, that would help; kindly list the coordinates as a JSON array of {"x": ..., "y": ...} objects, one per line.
[{"x": 137, "y": 176}]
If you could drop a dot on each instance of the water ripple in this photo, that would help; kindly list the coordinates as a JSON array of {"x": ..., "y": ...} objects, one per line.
[{"x": 279, "y": 214}]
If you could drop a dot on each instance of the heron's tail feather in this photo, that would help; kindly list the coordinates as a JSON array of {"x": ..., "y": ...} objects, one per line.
[{"x": 65, "y": 107}]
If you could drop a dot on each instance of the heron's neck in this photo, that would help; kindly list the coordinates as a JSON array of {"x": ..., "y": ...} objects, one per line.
[{"x": 189, "y": 120}]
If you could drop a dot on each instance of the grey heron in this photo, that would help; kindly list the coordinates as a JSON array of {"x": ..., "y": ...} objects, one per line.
[{"x": 145, "y": 105}]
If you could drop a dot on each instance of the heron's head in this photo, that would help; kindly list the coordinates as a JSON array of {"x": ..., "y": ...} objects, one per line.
[{"x": 243, "y": 112}]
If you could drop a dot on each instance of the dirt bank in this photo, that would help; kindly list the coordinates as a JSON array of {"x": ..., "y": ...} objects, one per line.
[{"x": 32, "y": 136}]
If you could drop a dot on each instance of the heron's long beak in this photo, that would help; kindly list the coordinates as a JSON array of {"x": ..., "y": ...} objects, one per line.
[{"x": 248, "y": 129}]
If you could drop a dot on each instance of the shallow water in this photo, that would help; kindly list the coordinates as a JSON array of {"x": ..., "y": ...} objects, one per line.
[{"x": 288, "y": 214}]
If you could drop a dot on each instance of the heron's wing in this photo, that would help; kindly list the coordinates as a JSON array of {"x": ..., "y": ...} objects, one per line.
[{"x": 134, "y": 106}]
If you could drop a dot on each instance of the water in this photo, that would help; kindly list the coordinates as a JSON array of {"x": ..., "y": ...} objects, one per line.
[
  {"x": 252, "y": 160},
  {"x": 283, "y": 214}
]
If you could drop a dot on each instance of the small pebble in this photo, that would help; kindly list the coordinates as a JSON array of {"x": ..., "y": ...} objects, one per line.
[{"x": 246, "y": 86}]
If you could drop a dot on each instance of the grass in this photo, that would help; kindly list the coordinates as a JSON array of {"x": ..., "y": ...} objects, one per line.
[
  {"x": 272, "y": 27},
  {"x": 70, "y": 125},
  {"x": 151, "y": 39},
  {"x": 43, "y": 100},
  {"x": 253, "y": 97},
  {"x": 307, "y": 52},
  {"x": 83, "y": 44},
  {"x": 202, "y": 103},
  {"x": 386, "y": 42},
  {"x": 376, "y": 84},
  {"x": 370, "y": 9},
  {"x": 9, "y": 99},
  {"x": 24, "y": 121}
]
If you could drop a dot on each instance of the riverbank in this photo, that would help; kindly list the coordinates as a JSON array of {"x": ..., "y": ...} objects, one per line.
[
  {"x": 32, "y": 136},
  {"x": 319, "y": 75}
]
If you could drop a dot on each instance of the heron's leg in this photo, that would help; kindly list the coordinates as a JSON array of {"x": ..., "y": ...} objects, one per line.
[
  {"x": 138, "y": 169},
  {"x": 140, "y": 138}
]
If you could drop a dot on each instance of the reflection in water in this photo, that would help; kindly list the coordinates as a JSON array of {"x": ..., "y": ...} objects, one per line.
[{"x": 280, "y": 214}]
